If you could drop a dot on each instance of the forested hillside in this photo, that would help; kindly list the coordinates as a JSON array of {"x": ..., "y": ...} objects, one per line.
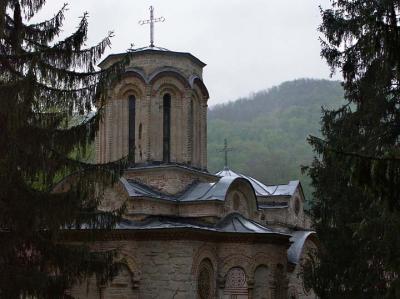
[{"x": 268, "y": 130}]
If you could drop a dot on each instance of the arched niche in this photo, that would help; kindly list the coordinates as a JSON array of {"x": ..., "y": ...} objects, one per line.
[
  {"x": 205, "y": 251},
  {"x": 236, "y": 284},
  {"x": 133, "y": 119},
  {"x": 235, "y": 260},
  {"x": 199, "y": 87},
  {"x": 172, "y": 88},
  {"x": 112, "y": 139},
  {"x": 196, "y": 83},
  {"x": 195, "y": 129},
  {"x": 206, "y": 280},
  {"x": 262, "y": 282},
  {"x": 168, "y": 73},
  {"x": 241, "y": 198},
  {"x": 128, "y": 84},
  {"x": 130, "y": 87},
  {"x": 164, "y": 81},
  {"x": 122, "y": 286}
]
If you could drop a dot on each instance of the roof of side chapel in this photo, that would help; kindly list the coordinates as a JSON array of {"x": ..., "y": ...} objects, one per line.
[
  {"x": 204, "y": 191},
  {"x": 260, "y": 188},
  {"x": 232, "y": 223}
]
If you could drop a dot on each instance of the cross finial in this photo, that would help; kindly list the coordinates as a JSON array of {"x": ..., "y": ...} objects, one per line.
[
  {"x": 151, "y": 21},
  {"x": 225, "y": 150}
]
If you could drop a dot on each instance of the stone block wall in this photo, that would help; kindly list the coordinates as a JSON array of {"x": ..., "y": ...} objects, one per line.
[
  {"x": 297, "y": 289},
  {"x": 170, "y": 269}
]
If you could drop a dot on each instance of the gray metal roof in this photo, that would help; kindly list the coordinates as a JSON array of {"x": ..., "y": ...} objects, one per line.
[
  {"x": 262, "y": 189},
  {"x": 152, "y": 50},
  {"x": 208, "y": 191},
  {"x": 136, "y": 189},
  {"x": 198, "y": 191},
  {"x": 149, "y": 48},
  {"x": 235, "y": 222},
  {"x": 232, "y": 223},
  {"x": 298, "y": 238},
  {"x": 162, "y": 222}
]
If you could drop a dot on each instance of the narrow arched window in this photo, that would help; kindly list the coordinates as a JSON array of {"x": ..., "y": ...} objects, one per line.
[
  {"x": 191, "y": 127},
  {"x": 166, "y": 127},
  {"x": 205, "y": 280},
  {"x": 140, "y": 131},
  {"x": 132, "y": 112}
]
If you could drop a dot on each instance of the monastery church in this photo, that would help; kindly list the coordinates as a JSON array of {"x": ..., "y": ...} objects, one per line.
[{"x": 188, "y": 233}]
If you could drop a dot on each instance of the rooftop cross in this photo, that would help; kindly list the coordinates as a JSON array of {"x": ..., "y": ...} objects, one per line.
[
  {"x": 225, "y": 150},
  {"x": 151, "y": 21}
]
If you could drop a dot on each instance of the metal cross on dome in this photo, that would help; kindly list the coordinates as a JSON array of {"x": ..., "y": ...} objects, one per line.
[
  {"x": 225, "y": 150},
  {"x": 151, "y": 21}
]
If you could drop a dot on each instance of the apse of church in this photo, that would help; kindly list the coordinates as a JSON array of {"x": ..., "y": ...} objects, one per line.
[{"x": 157, "y": 113}]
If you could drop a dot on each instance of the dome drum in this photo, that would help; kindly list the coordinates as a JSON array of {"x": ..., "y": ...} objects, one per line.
[{"x": 157, "y": 113}]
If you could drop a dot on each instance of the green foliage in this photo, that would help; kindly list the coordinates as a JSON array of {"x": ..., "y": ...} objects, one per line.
[
  {"x": 43, "y": 83},
  {"x": 268, "y": 131},
  {"x": 356, "y": 174}
]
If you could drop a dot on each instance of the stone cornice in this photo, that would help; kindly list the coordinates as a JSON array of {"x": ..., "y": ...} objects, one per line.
[{"x": 176, "y": 234}]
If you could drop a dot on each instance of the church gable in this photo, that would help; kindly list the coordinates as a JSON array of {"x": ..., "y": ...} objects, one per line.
[
  {"x": 286, "y": 208},
  {"x": 240, "y": 198}
]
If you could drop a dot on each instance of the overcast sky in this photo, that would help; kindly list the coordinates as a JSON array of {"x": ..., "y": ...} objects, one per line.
[{"x": 248, "y": 45}]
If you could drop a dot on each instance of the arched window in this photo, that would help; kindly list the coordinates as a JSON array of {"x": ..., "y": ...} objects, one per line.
[
  {"x": 297, "y": 206},
  {"x": 132, "y": 112},
  {"x": 140, "y": 131},
  {"x": 166, "y": 127},
  {"x": 190, "y": 129},
  {"x": 205, "y": 280}
]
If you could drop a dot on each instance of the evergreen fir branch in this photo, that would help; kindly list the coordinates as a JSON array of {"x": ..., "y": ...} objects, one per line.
[
  {"x": 41, "y": 87},
  {"x": 47, "y": 30},
  {"x": 75, "y": 58},
  {"x": 43, "y": 32},
  {"x": 323, "y": 146},
  {"x": 30, "y": 7}
]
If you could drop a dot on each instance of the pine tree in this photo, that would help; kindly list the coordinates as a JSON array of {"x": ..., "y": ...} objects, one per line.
[
  {"x": 45, "y": 82},
  {"x": 356, "y": 175}
]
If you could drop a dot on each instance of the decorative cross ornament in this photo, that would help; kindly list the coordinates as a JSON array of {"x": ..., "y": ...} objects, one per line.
[
  {"x": 151, "y": 21},
  {"x": 225, "y": 150}
]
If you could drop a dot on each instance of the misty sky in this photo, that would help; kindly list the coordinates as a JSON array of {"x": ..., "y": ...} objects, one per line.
[{"x": 248, "y": 45}]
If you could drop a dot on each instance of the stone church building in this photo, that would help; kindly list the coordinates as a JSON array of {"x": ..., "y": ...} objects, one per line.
[{"x": 188, "y": 233}]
